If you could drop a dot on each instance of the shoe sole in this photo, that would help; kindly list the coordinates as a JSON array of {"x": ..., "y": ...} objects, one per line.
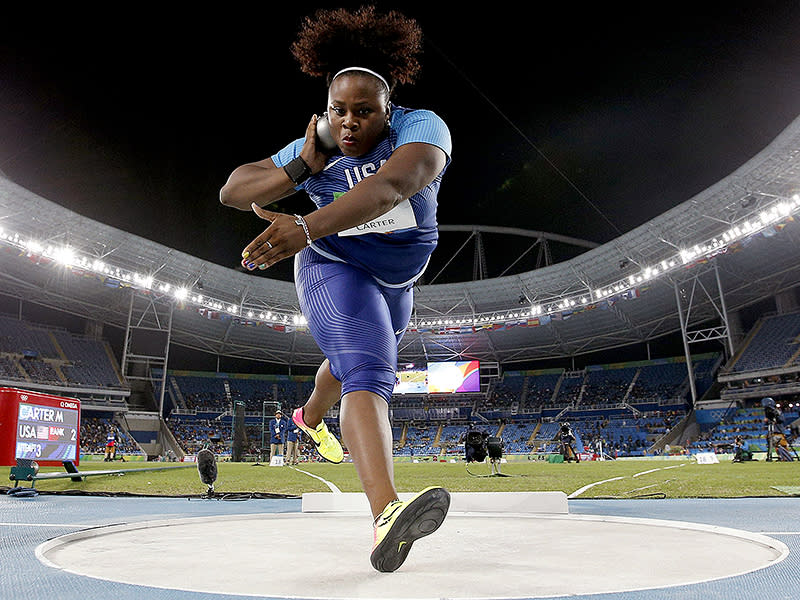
[
  {"x": 421, "y": 517},
  {"x": 306, "y": 430}
]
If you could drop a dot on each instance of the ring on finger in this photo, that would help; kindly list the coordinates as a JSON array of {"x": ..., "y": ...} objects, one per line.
[{"x": 268, "y": 243}]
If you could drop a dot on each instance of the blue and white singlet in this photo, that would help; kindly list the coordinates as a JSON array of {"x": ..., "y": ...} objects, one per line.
[
  {"x": 355, "y": 288},
  {"x": 399, "y": 256}
]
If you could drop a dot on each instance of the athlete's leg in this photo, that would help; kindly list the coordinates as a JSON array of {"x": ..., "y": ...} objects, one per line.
[
  {"x": 364, "y": 419},
  {"x": 357, "y": 324},
  {"x": 367, "y": 433},
  {"x": 326, "y": 393}
]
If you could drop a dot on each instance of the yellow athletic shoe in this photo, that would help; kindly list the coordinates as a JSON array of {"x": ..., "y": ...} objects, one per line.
[
  {"x": 401, "y": 523},
  {"x": 326, "y": 443}
]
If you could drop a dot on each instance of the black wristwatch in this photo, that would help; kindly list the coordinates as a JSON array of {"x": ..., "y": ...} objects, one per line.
[{"x": 297, "y": 170}]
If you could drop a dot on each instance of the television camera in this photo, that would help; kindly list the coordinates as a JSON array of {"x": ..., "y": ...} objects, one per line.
[
  {"x": 777, "y": 442},
  {"x": 478, "y": 445}
]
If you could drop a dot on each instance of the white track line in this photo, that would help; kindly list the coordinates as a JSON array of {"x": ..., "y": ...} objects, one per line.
[
  {"x": 578, "y": 492},
  {"x": 331, "y": 486},
  {"x": 646, "y": 472},
  {"x": 658, "y": 469}
]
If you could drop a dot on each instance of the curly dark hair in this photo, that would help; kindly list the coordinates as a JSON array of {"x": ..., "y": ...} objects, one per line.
[{"x": 333, "y": 39}]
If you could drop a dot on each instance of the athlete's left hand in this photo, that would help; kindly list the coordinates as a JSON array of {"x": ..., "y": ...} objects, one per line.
[{"x": 282, "y": 239}]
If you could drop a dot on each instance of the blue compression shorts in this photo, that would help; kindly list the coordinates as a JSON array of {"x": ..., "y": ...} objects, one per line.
[{"x": 356, "y": 322}]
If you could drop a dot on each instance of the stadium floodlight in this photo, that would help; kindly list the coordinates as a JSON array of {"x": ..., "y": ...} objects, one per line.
[
  {"x": 64, "y": 255},
  {"x": 780, "y": 210},
  {"x": 34, "y": 247},
  {"x": 69, "y": 257},
  {"x": 147, "y": 282}
]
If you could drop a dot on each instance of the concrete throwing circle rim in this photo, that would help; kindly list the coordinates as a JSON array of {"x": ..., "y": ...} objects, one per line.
[{"x": 50, "y": 552}]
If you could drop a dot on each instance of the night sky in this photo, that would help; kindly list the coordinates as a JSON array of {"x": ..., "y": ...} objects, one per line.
[{"x": 579, "y": 122}]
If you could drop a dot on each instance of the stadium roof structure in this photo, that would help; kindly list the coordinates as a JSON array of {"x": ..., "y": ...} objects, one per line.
[{"x": 739, "y": 236}]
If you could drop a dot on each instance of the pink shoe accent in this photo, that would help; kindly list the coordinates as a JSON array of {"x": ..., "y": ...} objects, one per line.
[{"x": 297, "y": 417}]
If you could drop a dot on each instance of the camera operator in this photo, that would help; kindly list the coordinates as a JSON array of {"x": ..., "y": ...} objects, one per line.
[
  {"x": 740, "y": 454},
  {"x": 567, "y": 441},
  {"x": 774, "y": 420}
]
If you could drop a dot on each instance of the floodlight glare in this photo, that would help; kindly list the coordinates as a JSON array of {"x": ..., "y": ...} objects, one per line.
[
  {"x": 64, "y": 256},
  {"x": 34, "y": 246}
]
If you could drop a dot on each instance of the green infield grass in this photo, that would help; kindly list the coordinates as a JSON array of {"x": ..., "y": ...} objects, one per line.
[{"x": 682, "y": 478}]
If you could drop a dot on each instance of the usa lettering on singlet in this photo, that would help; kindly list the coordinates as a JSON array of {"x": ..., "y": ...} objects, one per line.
[{"x": 396, "y": 246}]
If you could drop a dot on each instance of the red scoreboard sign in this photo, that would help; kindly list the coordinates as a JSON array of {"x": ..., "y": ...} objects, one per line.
[{"x": 40, "y": 427}]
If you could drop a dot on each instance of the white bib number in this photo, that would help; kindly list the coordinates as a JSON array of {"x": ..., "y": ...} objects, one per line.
[{"x": 400, "y": 217}]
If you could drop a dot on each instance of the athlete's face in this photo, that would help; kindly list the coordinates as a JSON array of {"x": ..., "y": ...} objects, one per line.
[{"x": 358, "y": 112}]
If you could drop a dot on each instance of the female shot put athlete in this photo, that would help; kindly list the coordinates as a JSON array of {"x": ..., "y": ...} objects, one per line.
[{"x": 359, "y": 253}]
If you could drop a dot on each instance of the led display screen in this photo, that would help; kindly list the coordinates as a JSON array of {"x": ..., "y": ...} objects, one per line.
[
  {"x": 454, "y": 377},
  {"x": 411, "y": 382},
  {"x": 47, "y": 432}
]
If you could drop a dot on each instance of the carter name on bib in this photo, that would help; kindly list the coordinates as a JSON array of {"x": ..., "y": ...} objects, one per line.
[{"x": 400, "y": 217}]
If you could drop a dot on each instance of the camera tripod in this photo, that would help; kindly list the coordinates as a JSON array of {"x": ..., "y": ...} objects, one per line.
[
  {"x": 778, "y": 443},
  {"x": 494, "y": 469}
]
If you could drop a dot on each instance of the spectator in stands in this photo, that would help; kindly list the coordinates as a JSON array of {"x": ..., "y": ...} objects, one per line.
[
  {"x": 292, "y": 444},
  {"x": 356, "y": 291},
  {"x": 277, "y": 434}
]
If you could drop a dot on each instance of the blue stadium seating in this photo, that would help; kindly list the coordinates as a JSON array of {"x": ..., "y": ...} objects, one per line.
[
  {"x": 55, "y": 356},
  {"x": 775, "y": 343}
]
